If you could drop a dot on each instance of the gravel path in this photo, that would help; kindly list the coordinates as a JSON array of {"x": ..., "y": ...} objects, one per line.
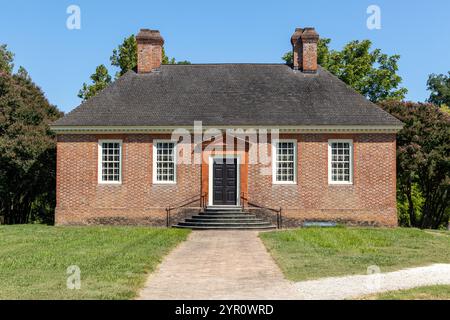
[
  {"x": 356, "y": 286},
  {"x": 228, "y": 265}
]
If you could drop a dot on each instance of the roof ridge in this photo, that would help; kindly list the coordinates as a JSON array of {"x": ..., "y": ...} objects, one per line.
[{"x": 226, "y": 63}]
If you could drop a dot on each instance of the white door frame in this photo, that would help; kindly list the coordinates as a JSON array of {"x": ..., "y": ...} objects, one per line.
[{"x": 210, "y": 178}]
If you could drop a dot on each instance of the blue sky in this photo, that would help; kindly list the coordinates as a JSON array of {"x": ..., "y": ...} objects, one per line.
[{"x": 60, "y": 60}]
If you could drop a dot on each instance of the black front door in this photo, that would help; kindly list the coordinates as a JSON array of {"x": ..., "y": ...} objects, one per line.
[{"x": 225, "y": 182}]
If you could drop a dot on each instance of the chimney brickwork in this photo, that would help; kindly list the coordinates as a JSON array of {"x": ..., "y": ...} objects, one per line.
[
  {"x": 304, "y": 45},
  {"x": 149, "y": 47},
  {"x": 297, "y": 59}
]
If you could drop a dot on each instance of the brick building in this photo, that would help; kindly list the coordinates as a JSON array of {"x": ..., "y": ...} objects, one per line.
[{"x": 294, "y": 139}]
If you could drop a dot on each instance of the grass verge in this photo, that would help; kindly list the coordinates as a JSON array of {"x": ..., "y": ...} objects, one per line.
[
  {"x": 313, "y": 253},
  {"x": 421, "y": 293},
  {"x": 114, "y": 261}
]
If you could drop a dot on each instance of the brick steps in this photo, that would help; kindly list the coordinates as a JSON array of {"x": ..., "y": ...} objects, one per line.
[
  {"x": 224, "y": 227},
  {"x": 225, "y": 218}
]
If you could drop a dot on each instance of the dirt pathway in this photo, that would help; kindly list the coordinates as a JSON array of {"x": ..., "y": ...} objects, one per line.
[
  {"x": 230, "y": 265},
  {"x": 219, "y": 265}
]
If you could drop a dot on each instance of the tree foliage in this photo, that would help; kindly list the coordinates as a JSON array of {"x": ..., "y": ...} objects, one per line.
[
  {"x": 27, "y": 148},
  {"x": 423, "y": 163},
  {"x": 439, "y": 85},
  {"x": 124, "y": 56},
  {"x": 370, "y": 72},
  {"x": 6, "y": 60},
  {"x": 100, "y": 80}
]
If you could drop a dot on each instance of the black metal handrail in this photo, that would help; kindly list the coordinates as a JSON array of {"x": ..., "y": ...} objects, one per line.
[
  {"x": 254, "y": 205},
  {"x": 186, "y": 202}
]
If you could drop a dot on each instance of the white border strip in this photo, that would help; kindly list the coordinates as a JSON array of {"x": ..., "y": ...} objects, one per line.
[
  {"x": 211, "y": 159},
  {"x": 168, "y": 130},
  {"x": 100, "y": 162},
  {"x": 275, "y": 161},
  {"x": 340, "y": 183},
  {"x": 154, "y": 164}
]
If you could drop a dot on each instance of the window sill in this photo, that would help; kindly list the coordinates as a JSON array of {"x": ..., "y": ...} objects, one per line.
[
  {"x": 110, "y": 183},
  {"x": 284, "y": 183},
  {"x": 164, "y": 183},
  {"x": 341, "y": 184}
]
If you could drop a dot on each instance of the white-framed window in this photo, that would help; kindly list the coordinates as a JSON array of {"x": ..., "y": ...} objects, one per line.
[
  {"x": 340, "y": 161},
  {"x": 284, "y": 161},
  {"x": 110, "y": 161},
  {"x": 164, "y": 162}
]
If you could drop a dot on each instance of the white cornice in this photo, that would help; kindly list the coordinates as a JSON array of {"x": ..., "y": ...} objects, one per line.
[{"x": 282, "y": 129}]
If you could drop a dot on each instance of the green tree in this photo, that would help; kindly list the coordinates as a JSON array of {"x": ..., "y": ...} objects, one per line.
[
  {"x": 124, "y": 57},
  {"x": 370, "y": 72},
  {"x": 184, "y": 62},
  {"x": 6, "y": 60},
  {"x": 27, "y": 150},
  {"x": 100, "y": 80},
  {"x": 423, "y": 163},
  {"x": 439, "y": 85}
]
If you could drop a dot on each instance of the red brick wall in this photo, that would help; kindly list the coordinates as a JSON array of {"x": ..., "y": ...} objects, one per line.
[
  {"x": 149, "y": 57},
  {"x": 370, "y": 200},
  {"x": 309, "y": 57},
  {"x": 81, "y": 200}
]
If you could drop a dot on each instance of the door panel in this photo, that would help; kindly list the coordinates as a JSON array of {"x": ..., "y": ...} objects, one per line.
[{"x": 224, "y": 182}]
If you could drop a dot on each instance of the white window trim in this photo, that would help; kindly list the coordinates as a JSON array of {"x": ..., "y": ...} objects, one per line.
[
  {"x": 155, "y": 176},
  {"x": 211, "y": 159},
  {"x": 100, "y": 161},
  {"x": 274, "y": 162},
  {"x": 330, "y": 142}
]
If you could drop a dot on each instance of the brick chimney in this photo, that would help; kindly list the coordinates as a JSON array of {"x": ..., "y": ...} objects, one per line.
[
  {"x": 149, "y": 48},
  {"x": 297, "y": 49},
  {"x": 304, "y": 46}
]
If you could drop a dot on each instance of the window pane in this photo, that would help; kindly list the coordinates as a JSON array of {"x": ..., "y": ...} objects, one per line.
[
  {"x": 284, "y": 162},
  {"x": 165, "y": 161},
  {"x": 111, "y": 158},
  {"x": 340, "y": 162}
]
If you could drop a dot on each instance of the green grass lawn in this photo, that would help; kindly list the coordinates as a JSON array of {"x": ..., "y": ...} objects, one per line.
[
  {"x": 322, "y": 252},
  {"x": 114, "y": 261},
  {"x": 421, "y": 293},
  {"x": 441, "y": 232}
]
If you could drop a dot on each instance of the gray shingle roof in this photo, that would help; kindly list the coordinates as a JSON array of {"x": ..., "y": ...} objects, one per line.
[{"x": 227, "y": 94}]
